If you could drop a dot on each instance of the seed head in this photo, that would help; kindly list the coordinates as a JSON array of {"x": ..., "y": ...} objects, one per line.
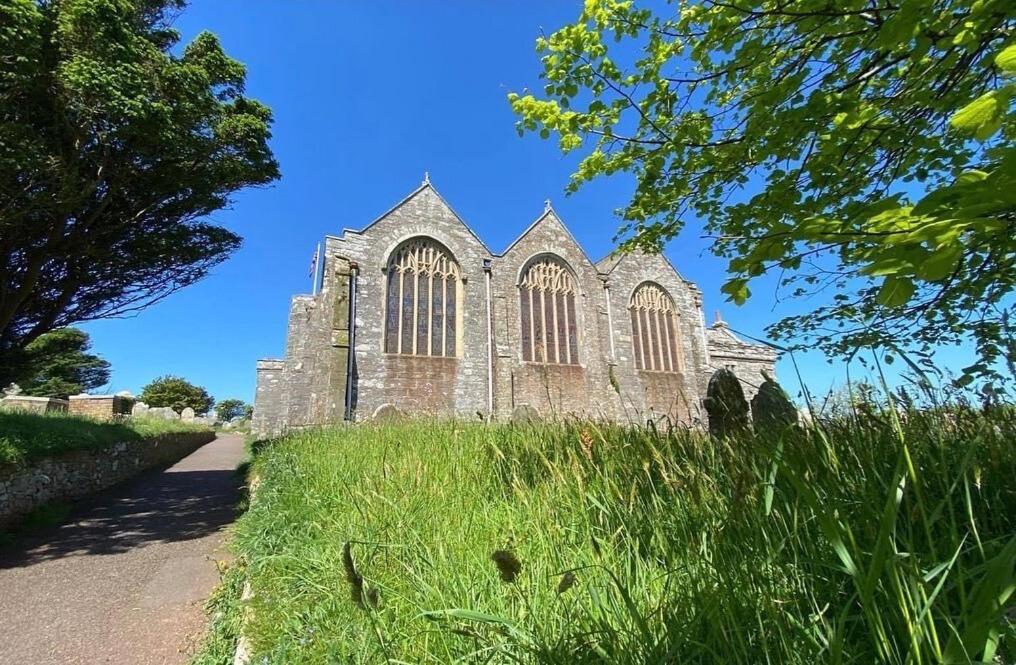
[{"x": 507, "y": 564}]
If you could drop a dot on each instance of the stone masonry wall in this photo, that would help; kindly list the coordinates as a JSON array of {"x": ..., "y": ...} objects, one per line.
[
  {"x": 34, "y": 404},
  {"x": 77, "y": 473},
  {"x": 438, "y": 386},
  {"x": 648, "y": 394},
  {"x": 550, "y": 389}
]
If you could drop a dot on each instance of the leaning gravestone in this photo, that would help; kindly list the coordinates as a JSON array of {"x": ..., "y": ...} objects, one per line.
[
  {"x": 725, "y": 404},
  {"x": 139, "y": 410},
  {"x": 187, "y": 415},
  {"x": 771, "y": 409}
]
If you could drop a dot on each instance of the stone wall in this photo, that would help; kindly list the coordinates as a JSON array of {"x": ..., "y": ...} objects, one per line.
[
  {"x": 34, "y": 404},
  {"x": 81, "y": 472},
  {"x": 551, "y": 389}
]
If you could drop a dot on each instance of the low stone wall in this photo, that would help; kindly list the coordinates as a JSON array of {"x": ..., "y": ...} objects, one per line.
[
  {"x": 80, "y": 472},
  {"x": 34, "y": 404}
]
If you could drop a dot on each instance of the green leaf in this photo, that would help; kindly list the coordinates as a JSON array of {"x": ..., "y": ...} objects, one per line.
[
  {"x": 895, "y": 291},
  {"x": 737, "y": 289},
  {"x": 1006, "y": 60},
  {"x": 940, "y": 264},
  {"x": 982, "y": 117}
]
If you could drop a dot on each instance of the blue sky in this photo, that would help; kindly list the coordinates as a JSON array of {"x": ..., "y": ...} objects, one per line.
[{"x": 367, "y": 96}]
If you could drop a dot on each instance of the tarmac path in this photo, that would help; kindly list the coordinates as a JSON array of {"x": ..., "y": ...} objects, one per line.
[{"x": 124, "y": 579}]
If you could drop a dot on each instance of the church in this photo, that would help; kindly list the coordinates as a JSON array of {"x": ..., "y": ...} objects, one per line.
[{"x": 415, "y": 315}]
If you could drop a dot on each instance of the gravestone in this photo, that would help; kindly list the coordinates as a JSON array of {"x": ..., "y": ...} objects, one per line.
[{"x": 187, "y": 415}]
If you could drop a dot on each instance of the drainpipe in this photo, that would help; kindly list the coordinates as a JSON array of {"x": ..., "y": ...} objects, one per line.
[
  {"x": 353, "y": 271},
  {"x": 490, "y": 346},
  {"x": 610, "y": 321}
]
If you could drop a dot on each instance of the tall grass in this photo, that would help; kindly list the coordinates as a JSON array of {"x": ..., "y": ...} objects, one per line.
[
  {"x": 28, "y": 436},
  {"x": 866, "y": 540}
]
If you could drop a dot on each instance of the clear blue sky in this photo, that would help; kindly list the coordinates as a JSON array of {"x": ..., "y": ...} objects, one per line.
[{"x": 367, "y": 96}]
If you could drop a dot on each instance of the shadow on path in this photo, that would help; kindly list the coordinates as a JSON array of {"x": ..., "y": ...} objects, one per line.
[{"x": 158, "y": 506}]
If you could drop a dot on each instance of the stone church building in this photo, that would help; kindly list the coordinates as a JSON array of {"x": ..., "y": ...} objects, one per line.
[{"x": 415, "y": 314}]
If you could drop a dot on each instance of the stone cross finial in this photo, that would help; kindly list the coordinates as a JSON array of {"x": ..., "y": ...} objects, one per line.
[
  {"x": 719, "y": 319},
  {"x": 426, "y": 177},
  {"x": 546, "y": 205}
]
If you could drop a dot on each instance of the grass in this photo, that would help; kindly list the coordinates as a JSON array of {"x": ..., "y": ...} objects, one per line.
[
  {"x": 28, "y": 436},
  {"x": 866, "y": 540}
]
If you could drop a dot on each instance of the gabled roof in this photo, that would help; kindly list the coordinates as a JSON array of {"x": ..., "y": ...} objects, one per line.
[
  {"x": 548, "y": 211},
  {"x": 611, "y": 261},
  {"x": 426, "y": 184},
  {"x": 724, "y": 342}
]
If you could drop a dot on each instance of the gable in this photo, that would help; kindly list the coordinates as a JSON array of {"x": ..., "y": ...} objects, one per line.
[
  {"x": 548, "y": 234},
  {"x": 423, "y": 211}
]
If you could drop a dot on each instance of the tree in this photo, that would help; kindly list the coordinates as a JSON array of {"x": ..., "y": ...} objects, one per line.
[
  {"x": 861, "y": 147},
  {"x": 176, "y": 393},
  {"x": 114, "y": 149},
  {"x": 58, "y": 364},
  {"x": 231, "y": 408}
]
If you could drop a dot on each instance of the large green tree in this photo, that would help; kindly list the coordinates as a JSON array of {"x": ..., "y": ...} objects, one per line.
[
  {"x": 114, "y": 148},
  {"x": 58, "y": 364},
  {"x": 230, "y": 408},
  {"x": 859, "y": 147},
  {"x": 176, "y": 393}
]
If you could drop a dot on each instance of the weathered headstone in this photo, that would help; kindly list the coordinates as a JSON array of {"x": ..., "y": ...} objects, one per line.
[
  {"x": 771, "y": 409},
  {"x": 164, "y": 412},
  {"x": 139, "y": 410},
  {"x": 525, "y": 413},
  {"x": 187, "y": 415},
  {"x": 388, "y": 413},
  {"x": 725, "y": 404}
]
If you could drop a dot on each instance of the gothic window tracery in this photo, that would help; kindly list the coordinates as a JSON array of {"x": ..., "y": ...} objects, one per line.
[
  {"x": 547, "y": 293},
  {"x": 423, "y": 293},
  {"x": 654, "y": 330}
]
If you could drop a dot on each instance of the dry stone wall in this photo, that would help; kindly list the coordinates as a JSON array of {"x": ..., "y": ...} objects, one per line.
[{"x": 78, "y": 473}]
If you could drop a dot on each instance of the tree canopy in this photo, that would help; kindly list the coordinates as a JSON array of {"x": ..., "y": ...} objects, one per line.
[
  {"x": 176, "y": 393},
  {"x": 863, "y": 148},
  {"x": 57, "y": 364},
  {"x": 114, "y": 149},
  {"x": 230, "y": 408}
]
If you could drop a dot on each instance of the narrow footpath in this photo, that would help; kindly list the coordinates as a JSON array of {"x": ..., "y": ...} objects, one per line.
[{"x": 124, "y": 580}]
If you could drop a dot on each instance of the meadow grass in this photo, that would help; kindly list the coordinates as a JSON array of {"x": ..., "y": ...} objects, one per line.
[
  {"x": 864, "y": 540},
  {"x": 28, "y": 436}
]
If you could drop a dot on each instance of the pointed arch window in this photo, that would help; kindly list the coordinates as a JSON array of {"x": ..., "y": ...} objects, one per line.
[
  {"x": 547, "y": 295},
  {"x": 422, "y": 302},
  {"x": 654, "y": 330}
]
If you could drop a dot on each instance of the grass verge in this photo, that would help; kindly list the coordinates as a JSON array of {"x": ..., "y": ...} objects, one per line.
[
  {"x": 28, "y": 436},
  {"x": 864, "y": 541}
]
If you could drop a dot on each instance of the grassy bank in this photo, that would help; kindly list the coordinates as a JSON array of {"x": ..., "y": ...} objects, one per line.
[
  {"x": 434, "y": 543},
  {"x": 28, "y": 436}
]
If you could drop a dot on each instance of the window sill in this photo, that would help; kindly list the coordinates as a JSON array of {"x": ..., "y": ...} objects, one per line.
[
  {"x": 418, "y": 356},
  {"x": 536, "y": 363},
  {"x": 659, "y": 372}
]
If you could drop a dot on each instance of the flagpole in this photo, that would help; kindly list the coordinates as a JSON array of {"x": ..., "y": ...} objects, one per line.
[{"x": 317, "y": 270}]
